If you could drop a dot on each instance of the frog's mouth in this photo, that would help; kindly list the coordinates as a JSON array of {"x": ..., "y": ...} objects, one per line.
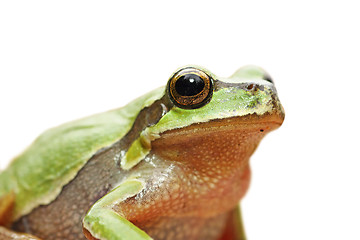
[{"x": 251, "y": 124}]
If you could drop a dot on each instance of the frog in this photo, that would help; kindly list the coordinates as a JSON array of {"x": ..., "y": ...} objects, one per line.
[{"x": 171, "y": 164}]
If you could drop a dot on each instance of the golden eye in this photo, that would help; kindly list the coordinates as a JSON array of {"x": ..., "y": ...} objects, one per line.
[{"x": 190, "y": 88}]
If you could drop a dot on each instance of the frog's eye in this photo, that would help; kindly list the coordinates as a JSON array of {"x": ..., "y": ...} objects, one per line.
[{"x": 190, "y": 88}]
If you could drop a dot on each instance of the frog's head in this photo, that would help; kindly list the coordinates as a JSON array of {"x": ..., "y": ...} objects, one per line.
[
  {"x": 201, "y": 99},
  {"x": 205, "y": 116}
]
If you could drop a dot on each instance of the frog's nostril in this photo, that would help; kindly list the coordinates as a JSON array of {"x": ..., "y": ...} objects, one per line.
[{"x": 251, "y": 86}]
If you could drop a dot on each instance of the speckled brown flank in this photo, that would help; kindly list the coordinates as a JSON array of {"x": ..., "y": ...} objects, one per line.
[{"x": 62, "y": 219}]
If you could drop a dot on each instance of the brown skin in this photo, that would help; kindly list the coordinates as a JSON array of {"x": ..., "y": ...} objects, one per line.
[{"x": 62, "y": 219}]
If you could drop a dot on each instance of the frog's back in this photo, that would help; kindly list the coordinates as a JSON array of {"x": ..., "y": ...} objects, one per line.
[{"x": 53, "y": 160}]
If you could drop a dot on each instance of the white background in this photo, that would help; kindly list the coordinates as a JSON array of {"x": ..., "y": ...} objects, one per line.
[{"x": 62, "y": 60}]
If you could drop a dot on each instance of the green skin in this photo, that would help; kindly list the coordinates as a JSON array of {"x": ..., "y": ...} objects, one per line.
[{"x": 55, "y": 158}]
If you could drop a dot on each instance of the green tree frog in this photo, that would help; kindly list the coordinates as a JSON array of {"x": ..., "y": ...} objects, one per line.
[{"x": 172, "y": 164}]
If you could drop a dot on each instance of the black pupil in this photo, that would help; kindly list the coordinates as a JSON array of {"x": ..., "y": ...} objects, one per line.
[{"x": 189, "y": 85}]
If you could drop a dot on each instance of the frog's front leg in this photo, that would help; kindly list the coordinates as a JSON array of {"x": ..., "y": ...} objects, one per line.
[{"x": 102, "y": 222}]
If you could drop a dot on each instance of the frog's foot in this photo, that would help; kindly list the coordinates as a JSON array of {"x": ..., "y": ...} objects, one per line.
[
  {"x": 102, "y": 222},
  {"x": 6, "y": 234}
]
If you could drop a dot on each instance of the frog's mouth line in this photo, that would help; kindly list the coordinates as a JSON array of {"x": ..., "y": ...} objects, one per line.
[{"x": 251, "y": 123}]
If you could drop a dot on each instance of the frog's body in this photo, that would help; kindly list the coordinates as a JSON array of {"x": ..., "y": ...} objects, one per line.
[{"x": 173, "y": 167}]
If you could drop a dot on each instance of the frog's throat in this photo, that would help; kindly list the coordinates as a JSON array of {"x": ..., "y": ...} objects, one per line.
[
  {"x": 249, "y": 125},
  {"x": 212, "y": 158}
]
